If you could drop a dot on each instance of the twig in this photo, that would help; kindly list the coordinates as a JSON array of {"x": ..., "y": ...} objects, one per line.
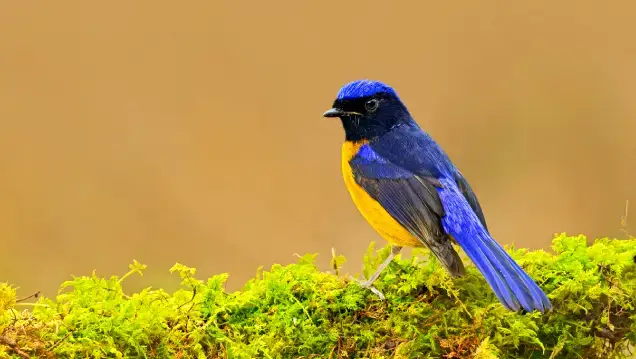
[
  {"x": 59, "y": 341},
  {"x": 194, "y": 294},
  {"x": 624, "y": 220},
  {"x": 34, "y": 295},
  {"x": 331, "y": 352},
  {"x": 12, "y": 344},
  {"x": 334, "y": 262}
]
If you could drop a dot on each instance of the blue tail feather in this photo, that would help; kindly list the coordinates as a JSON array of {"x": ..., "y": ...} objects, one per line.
[
  {"x": 513, "y": 287},
  {"x": 538, "y": 297},
  {"x": 519, "y": 285},
  {"x": 499, "y": 283}
]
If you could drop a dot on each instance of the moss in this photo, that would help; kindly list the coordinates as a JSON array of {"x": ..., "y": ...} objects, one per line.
[{"x": 297, "y": 311}]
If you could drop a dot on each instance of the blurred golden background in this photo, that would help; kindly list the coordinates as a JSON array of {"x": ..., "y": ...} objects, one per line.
[{"x": 192, "y": 132}]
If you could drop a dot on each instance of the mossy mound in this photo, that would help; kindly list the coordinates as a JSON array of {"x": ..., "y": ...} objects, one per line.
[{"x": 297, "y": 311}]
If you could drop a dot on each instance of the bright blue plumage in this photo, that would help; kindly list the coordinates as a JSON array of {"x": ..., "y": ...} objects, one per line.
[
  {"x": 409, "y": 174},
  {"x": 511, "y": 284},
  {"x": 363, "y": 88},
  {"x": 370, "y": 165}
]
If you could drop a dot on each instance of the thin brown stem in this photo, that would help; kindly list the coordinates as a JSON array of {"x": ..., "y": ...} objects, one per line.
[
  {"x": 12, "y": 344},
  {"x": 34, "y": 295}
]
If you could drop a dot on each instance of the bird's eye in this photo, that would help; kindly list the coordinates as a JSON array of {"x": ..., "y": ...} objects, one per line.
[{"x": 372, "y": 105}]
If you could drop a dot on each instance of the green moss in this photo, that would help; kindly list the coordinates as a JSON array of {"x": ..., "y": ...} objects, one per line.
[{"x": 298, "y": 311}]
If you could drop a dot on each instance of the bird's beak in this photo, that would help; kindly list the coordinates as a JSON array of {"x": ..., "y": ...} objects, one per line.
[
  {"x": 333, "y": 112},
  {"x": 336, "y": 112}
]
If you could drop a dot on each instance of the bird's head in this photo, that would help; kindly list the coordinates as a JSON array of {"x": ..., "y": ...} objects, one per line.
[{"x": 367, "y": 109}]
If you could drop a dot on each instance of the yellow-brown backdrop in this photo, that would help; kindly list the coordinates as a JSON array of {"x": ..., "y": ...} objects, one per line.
[{"x": 192, "y": 131}]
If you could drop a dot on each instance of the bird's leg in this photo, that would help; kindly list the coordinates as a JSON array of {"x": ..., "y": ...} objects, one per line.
[
  {"x": 369, "y": 282},
  {"x": 394, "y": 251}
]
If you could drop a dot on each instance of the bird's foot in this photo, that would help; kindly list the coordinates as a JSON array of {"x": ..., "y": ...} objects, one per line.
[{"x": 368, "y": 285}]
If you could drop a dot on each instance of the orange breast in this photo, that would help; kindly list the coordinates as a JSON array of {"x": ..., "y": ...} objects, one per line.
[{"x": 371, "y": 210}]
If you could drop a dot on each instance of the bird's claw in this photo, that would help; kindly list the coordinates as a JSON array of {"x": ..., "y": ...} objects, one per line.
[{"x": 369, "y": 286}]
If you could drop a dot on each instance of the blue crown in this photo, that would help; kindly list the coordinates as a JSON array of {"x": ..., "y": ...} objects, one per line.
[{"x": 363, "y": 88}]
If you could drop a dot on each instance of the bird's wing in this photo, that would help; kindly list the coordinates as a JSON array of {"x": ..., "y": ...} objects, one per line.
[
  {"x": 412, "y": 200},
  {"x": 470, "y": 196},
  {"x": 411, "y": 148}
]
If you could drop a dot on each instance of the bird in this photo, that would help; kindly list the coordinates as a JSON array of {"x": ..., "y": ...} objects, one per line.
[{"x": 408, "y": 190}]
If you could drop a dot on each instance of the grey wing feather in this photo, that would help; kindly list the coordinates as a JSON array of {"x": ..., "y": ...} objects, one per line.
[{"x": 415, "y": 204}]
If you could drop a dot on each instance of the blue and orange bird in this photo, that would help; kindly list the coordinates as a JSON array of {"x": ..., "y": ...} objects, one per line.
[{"x": 410, "y": 192}]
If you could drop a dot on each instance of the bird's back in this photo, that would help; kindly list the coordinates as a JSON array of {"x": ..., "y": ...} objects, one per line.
[{"x": 409, "y": 147}]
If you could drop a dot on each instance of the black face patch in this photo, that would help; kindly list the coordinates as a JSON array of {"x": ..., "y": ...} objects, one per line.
[
  {"x": 352, "y": 105},
  {"x": 366, "y": 123}
]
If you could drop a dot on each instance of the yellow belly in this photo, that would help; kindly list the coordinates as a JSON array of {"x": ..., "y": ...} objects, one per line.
[{"x": 371, "y": 210}]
